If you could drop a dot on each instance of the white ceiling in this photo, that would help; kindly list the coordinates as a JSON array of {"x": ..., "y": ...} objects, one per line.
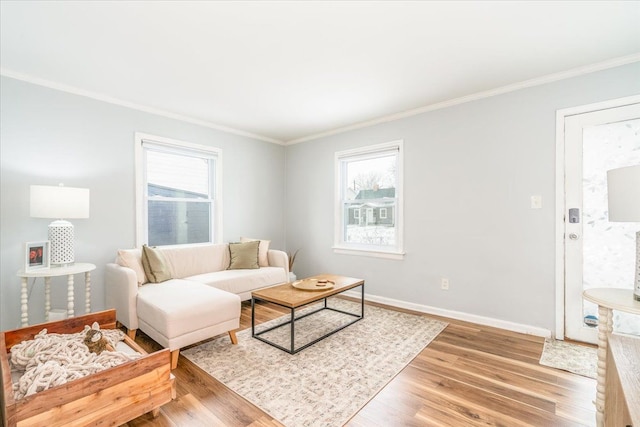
[{"x": 289, "y": 71}]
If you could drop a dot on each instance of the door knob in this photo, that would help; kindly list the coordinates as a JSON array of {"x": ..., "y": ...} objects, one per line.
[{"x": 573, "y": 236}]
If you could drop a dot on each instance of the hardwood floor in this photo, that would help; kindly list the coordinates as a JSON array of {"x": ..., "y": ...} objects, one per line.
[{"x": 470, "y": 375}]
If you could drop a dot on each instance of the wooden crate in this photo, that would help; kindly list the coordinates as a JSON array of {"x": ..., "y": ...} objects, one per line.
[{"x": 110, "y": 397}]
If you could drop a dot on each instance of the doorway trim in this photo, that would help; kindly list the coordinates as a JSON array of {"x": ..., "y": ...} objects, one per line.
[{"x": 561, "y": 115}]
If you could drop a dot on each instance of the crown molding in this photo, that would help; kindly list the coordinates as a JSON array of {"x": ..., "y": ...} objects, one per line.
[
  {"x": 574, "y": 72},
  {"x": 111, "y": 100}
]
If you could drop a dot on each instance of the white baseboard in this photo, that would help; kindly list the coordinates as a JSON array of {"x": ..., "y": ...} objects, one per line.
[{"x": 481, "y": 320}]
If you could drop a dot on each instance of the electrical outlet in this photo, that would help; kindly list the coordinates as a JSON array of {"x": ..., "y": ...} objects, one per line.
[
  {"x": 444, "y": 283},
  {"x": 536, "y": 202}
]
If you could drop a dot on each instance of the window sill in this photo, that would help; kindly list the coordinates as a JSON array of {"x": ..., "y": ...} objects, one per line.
[{"x": 369, "y": 253}]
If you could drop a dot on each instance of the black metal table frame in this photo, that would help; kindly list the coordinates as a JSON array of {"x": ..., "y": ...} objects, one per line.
[{"x": 292, "y": 321}]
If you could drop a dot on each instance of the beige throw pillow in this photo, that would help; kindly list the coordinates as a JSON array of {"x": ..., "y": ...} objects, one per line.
[
  {"x": 263, "y": 249},
  {"x": 244, "y": 255},
  {"x": 155, "y": 266}
]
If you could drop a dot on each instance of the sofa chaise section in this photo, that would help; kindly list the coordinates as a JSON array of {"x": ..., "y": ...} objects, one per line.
[
  {"x": 177, "y": 313},
  {"x": 201, "y": 300}
]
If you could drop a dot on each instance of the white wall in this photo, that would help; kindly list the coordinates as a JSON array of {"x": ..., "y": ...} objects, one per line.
[
  {"x": 469, "y": 173},
  {"x": 48, "y": 136}
]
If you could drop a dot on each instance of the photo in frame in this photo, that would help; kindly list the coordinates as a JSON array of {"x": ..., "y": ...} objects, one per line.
[{"x": 36, "y": 255}]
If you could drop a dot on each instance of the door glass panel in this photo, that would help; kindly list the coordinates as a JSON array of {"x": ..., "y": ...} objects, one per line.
[{"x": 609, "y": 247}]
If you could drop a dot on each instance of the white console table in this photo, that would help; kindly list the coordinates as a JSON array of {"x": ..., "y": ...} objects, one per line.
[
  {"x": 608, "y": 299},
  {"x": 47, "y": 274}
]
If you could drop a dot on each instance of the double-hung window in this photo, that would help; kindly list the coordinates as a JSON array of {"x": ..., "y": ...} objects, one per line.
[
  {"x": 369, "y": 201},
  {"x": 177, "y": 192}
]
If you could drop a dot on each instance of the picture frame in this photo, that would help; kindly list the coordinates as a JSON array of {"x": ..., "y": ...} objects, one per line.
[{"x": 36, "y": 255}]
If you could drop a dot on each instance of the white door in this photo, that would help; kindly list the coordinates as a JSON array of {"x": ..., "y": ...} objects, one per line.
[{"x": 597, "y": 253}]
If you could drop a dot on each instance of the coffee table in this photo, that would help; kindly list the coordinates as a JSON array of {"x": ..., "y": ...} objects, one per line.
[{"x": 286, "y": 295}]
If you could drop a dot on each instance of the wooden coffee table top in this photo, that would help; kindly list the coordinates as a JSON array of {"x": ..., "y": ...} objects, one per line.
[{"x": 289, "y": 296}]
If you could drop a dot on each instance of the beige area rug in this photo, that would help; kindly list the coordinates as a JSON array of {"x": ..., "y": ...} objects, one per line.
[
  {"x": 579, "y": 359},
  {"x": 326, "y": 384}
]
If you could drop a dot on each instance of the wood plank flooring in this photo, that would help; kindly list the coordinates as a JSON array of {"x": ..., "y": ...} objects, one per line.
[{"x": 470, "y": 375}]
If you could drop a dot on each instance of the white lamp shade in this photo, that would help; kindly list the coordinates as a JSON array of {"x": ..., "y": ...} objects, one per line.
[
  {"x": 59, "y": 202},
  {"x": 623, "y": 186}
]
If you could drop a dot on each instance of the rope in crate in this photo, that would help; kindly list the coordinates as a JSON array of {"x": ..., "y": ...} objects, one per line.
[{"x": 50, "y": 360}]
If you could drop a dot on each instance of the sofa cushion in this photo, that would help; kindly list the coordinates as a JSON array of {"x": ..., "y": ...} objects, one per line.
[
  {"x": 244, "y": 255},
  {"x": 189, "y": 260},
  {"x": 240, "y": 281},
  {"x": 176, "y": 307},
  {"x": 154, "y": 264},
  {"x": 132, "y": 258},
  {"x": 263, "y": 250}
]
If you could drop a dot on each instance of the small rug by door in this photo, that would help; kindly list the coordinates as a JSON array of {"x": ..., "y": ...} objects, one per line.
[
  {"x": 326, "y": 384},
  {"x": 579, "y": 359}
]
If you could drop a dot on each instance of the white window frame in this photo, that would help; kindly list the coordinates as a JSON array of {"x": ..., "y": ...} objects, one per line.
[
  {"x": 342, "y": 247},
  {"x": 383, "y": 213},
  {"x": 141, "y": 194}
]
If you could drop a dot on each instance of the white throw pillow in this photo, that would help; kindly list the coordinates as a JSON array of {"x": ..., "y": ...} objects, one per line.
[{"x": 132, "y": 258}]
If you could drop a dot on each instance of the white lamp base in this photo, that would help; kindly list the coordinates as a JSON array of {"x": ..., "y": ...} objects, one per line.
[{"x": 61, "y": 238}]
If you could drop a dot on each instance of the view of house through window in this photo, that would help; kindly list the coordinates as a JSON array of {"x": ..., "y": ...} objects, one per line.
[
  {"x": 369, "y": 187},
  {"x": 179, "y": 194}
]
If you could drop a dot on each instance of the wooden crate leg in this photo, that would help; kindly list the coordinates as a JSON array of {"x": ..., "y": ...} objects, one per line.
[
  {"x": 232, "y": 335},
  {"x": 132, "y": 333},
  {"x": 174, "y": 358},
  {"x": 155, "y": 412}
]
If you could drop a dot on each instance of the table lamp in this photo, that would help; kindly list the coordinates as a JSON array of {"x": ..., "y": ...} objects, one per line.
[
  {"x": 60, "y": 202},
  {"x": 623, "y": 186}
]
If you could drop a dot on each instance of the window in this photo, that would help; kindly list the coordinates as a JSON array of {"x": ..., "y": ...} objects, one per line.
[
  {"x": 369, "y": 201},
  {"x": 177, "y": 192}
]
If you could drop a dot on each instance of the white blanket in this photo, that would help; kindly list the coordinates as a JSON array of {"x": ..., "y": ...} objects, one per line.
[{"x": 50, "y": 360}]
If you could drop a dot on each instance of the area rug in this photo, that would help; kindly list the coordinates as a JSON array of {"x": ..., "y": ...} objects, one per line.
[
  {"x": 327, "y": 383},
  {"x": 579, "y": 359}
]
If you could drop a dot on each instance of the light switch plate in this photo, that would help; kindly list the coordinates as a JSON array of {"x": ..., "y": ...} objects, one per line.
[{"x": 536, "y": 202}]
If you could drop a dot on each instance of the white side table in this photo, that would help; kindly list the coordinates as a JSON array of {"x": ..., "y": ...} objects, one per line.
[
  {"x": 48, "y": 273},
  {"x": 608, "y": 299}
]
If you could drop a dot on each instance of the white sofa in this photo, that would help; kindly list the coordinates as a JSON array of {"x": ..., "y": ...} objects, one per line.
[{"x": 201, "y": 300}]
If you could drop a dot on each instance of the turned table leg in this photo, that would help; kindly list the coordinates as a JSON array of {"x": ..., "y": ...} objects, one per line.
[
  {"x": 47, "y": 297},
  {"x": 24, "y": 302},
  {"x": 70, "y": 311},
  {"x": 605, "y": 327},
  {"x": 87, "y": 284}
]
